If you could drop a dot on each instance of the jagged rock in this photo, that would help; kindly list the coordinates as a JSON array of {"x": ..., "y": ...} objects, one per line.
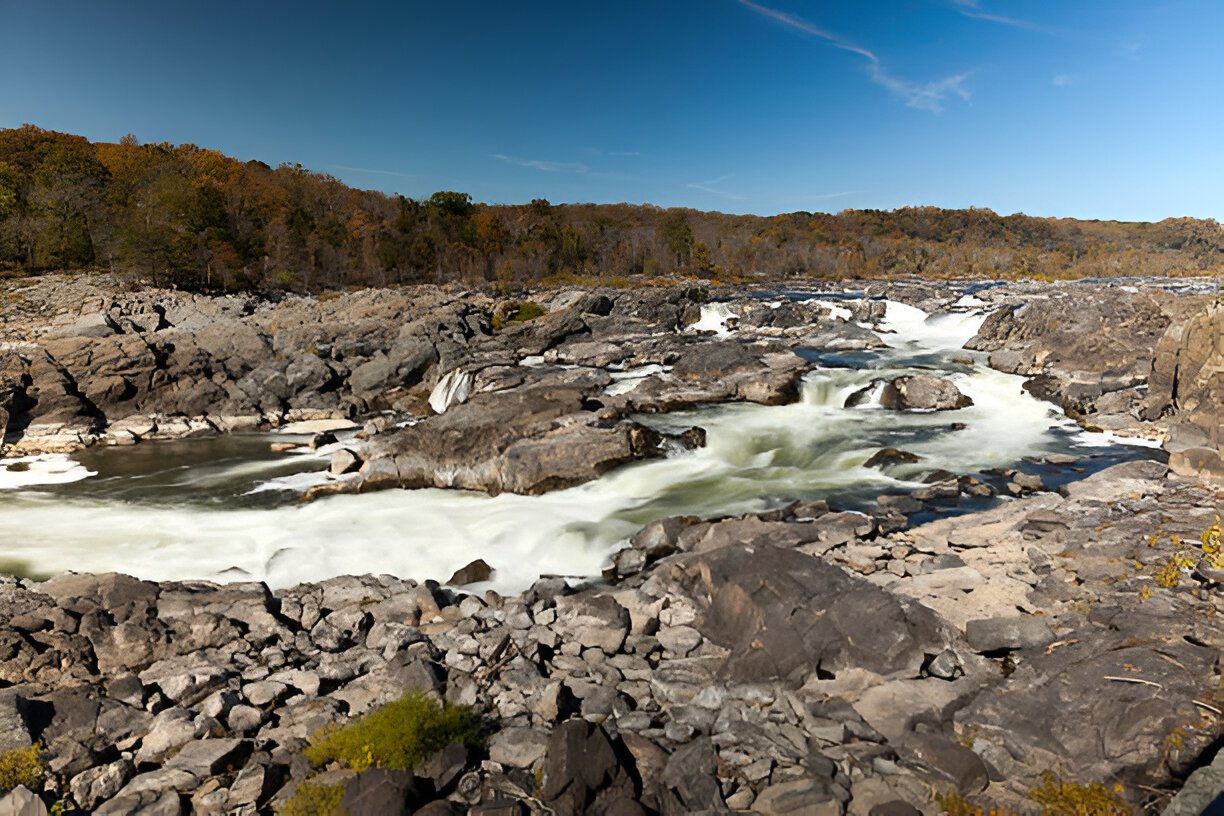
[
  {"x": 20, "y": 801},
  {"x": 473, "y": 573},
  {"x": 924, "y": 393},
  {"x": 593, "y": 621},
  {"x": 528, "y": 440},
  {"x": 582, "y": 767}
]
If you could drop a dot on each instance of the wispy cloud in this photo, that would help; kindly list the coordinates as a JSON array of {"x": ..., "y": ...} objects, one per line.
[
  {"x": 1060, "y": 80},
  {"x": 711, "y": 186},
  {"x": 625, "y": 153},
  {"x": 371, "y": 171},
  {"x": 925, "y": 96},
  {"x": 973, "y": 9},
  {"x": 809, "y": 28},
  {"x": 546, "y": 166}
]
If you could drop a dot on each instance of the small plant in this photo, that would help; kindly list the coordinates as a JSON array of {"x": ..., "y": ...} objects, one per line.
[
  {"x": 313, "y": 799},
  {"x": 1071, "y": 799},
  {"x": 397, "y": 736},
  {"x": 518, "y": 313},
  {"x": 21, "y": 766}
]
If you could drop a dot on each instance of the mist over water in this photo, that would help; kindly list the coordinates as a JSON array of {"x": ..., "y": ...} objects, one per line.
[{"x": 229, "y": 508}]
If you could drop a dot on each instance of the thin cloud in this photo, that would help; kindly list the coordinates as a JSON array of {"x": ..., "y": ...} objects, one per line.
[
  {"x": 708, "y": 187},
  {"x": 371, "y": 171},
  {"x": 546, "y": 166},
  {"x": 625, "y": 153},
  {"x": 1061, "y": 80},
  {"x": 808, "y": 28},
  {"x": 927, "y": 96},
  {"x": 973, "y": 10}
]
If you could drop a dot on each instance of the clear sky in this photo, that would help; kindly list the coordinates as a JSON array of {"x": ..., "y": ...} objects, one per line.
[{"x": 1091, "y": 108}]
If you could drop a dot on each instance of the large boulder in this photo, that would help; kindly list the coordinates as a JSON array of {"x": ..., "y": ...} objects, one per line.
[
  {"x": 528, "y": 440},
  {"x": 787, "y": 615},
  {"x": 923, "y": 392}
]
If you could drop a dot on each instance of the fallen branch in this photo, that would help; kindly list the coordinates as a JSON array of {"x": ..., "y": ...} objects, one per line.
[{"x": 1134, "y": 680}]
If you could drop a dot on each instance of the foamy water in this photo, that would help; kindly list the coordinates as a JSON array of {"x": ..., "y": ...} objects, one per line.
[{"x": 756, "y": 457}]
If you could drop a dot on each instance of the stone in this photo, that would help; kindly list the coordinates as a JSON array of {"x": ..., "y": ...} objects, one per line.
[
  {"x": 581, "y": 762},
  {"x": 690, "y": 776},
  {"x": 474, "y": 573},
  {"x": 100, "y": 783},
  {"x": 379, "y": 792},
  {"x": 14, "y": 728},
  {"x": 20, "y": 801},
  {"x": 996, "y": 634},
  {"x": 806, "y": 797},
  {"x": 923, "y": 392},
  {"x": 518, "y": 747},
  {"x": 948, "y": 759},
  {"x": 592, "y": 620},
  {"x": 344, "y": 461},
  {"x": 207, "y": 757}
]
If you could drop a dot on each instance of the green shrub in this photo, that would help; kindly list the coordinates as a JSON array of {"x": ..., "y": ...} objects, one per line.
[
  {"x": 398, "y": 735},
  {"x": 21, "y": 766},
  {"x": 313, "y": 799},
  {"x": 528, "y": 311}
]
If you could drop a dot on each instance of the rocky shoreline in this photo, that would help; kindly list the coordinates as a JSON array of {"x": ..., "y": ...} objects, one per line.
[{"x": 806, "y": 660}]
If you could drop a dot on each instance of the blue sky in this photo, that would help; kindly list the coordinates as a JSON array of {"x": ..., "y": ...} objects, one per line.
[{"x": 1092, "y": 109}]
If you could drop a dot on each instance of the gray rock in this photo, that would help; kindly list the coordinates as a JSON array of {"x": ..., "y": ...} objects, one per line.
[
  {"x": 800, "y": 797},
  {"x": 950, "y": 760},
  {"x": 592, "y": 620},
  {"x": 995, "y": 634},
  {"x": 518, "y": 747},
  {"x": 100, "y": 783},
  {"x": 14, "y": 730},
  {"x": 207, "y": 757}
]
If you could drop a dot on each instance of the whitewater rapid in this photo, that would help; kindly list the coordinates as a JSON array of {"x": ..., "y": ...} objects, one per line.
[{"x": 756, "y": 457}]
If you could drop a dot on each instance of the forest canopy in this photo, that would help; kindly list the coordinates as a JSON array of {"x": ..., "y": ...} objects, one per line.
[{"x": 185, "y": 216}]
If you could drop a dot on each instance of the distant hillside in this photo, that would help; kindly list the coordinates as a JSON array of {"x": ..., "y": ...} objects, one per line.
[{"x": 197, "y": 219}]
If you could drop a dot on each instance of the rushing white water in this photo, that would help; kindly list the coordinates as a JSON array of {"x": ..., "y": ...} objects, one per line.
[
  {"x": 29, "y": 471},
  {"x": 717, "y": 318},
  {"x": 755, "y": 457}
]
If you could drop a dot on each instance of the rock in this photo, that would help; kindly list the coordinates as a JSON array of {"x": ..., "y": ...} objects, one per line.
[
  {"x": 473, "y": 573},
  {"x": 527, "y": 440},
  {"x": 379, "y": 792},
  {"x": 211, "y": 756},
  {"x": 444, "y": 767},
  {"x": 518, "y": 747},
  {"x": 890, "y": 456},
  {"x": 996, "y": 634},
  {"x": 100, "y": 783},
  {"x": 582, "y": 763},
  {"x": 690, "y": 776},
  {"x": 592, "y": 620},
  {"x": 954, "y": 762},
  {"x": 783, "y": 614},
  {"x": 924, "y": 393},
  {"x": 1203, "y": 793},
  {"x": 809, "y": 797},
  {"x": 14, "y": 728},
  {"x": 21, "y": 802},
  {"x": 344, "y": 461}
]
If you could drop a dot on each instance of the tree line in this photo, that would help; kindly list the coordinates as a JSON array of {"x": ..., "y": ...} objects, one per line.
[{"x": 185, "y": 216}]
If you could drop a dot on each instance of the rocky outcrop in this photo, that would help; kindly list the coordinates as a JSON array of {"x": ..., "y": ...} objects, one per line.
[
  {"x": 527, "y": 440},
  {"x": 1187, "y": 387}
]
